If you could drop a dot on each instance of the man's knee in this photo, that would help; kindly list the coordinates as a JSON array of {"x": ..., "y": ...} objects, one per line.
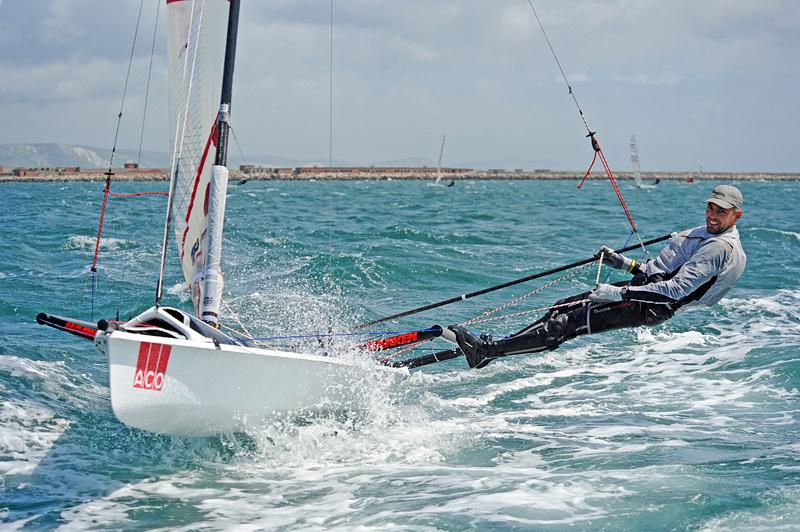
[
  {"x": 557, "y": 330},
  {"x": 657, "y": 314}
]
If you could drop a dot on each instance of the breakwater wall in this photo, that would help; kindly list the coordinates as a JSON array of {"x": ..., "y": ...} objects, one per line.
[{"x": 325, "y": 174}]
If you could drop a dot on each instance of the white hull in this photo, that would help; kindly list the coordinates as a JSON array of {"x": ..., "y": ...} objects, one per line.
[{"x": 194, "y": 388}]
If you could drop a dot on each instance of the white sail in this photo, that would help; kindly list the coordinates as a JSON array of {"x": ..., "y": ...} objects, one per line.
[
  {"x": 196, "y": 35},
  {"x": 637, "y": 173},
  {"x": 439, "y": 164}
]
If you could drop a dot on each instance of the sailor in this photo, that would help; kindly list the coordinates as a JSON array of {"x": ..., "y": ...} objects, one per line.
[{"x": 698, "y": 267}]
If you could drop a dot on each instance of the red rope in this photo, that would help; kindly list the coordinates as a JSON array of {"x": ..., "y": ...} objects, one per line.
[
  {"x": 589, "y": 171},
  {"x": 616, "y": 189},
  {"x": 139, "y": 194},
  {"x": 106, "y": 193},
  {"x": 610, "y": 174},
  {"x": 100, "y": 225}
]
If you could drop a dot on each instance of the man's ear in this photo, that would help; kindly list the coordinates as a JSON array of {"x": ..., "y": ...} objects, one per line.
[{"x": 738, "y": 215}]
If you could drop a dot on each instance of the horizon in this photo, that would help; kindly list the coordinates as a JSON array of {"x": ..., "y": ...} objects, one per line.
[{"x": 622, "y": 173}]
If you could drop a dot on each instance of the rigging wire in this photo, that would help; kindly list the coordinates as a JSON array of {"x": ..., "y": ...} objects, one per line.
[
  {"x": 330, "y": 99},
  {"x": 147, "y": 88},
  {"x": 109, "y": 173},
  {"x": 236, "y": 140},
  {"x": 238, "y": 320},
  {"x": 563, "y": 75},
  {"x": 598, "y": 152},
  {"x": 330, "y": 163},
  {"x": 482, "y": 317},
  {"x": 330, "y": 149}
]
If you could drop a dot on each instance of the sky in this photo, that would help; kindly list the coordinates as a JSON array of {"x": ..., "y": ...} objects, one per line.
[{"x": 701, "y": 83}]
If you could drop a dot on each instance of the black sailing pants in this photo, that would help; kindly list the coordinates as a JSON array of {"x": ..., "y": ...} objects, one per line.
[{"x": 573, "y": 317}]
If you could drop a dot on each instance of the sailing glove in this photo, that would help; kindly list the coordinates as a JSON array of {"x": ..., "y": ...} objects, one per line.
[
  {"x": 607, "y": 293},
  {"x": 615, "y": 260}
]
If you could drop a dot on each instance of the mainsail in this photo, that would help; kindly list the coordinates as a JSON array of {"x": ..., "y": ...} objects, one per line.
[{"x": 196, "y": 36}]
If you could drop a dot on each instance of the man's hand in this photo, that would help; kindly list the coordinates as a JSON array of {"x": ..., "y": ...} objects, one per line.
[
  {"x": 615, "y": 260},
  {"x": 606, "y": 293}
]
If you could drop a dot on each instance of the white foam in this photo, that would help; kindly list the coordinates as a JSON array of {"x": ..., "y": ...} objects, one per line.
[
  {"x": 27, "y": 432},
  {"x": 773, "y": 510},
  {"x": 89, "y": 242},
  {"x": 179, "y": 289}
]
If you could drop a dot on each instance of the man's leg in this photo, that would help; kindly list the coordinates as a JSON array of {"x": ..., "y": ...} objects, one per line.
[
  {"x": 562, "y": 306},
  {"x": 560, "y": 327},
  {"x": 542, "y": 334}
]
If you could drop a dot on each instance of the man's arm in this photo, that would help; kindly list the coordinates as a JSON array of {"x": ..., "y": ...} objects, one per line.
[
  {"x": 619, "y": 261},
  {"x": 704, "y": 265}
]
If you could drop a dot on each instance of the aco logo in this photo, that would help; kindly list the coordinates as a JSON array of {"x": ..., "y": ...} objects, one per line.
[{"x": 151, "y": 366}]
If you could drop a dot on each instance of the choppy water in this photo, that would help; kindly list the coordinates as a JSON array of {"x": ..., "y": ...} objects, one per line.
[{"x": 691, "y": 425}]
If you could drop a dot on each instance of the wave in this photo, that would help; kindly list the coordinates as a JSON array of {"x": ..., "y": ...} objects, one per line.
[
  {"x": 793, "y": 235},
  {"x": 84, "y": 242}
]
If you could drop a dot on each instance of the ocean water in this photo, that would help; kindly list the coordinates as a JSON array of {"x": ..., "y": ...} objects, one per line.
[{"x": 692, "y": 425}]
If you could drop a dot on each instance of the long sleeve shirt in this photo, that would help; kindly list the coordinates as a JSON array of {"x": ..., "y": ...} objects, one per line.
[{"x": 694, "y": 262}]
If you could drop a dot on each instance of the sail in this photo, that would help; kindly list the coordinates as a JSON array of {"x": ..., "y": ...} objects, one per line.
[
  {"x": 439, "y": 164},
  {"x": 637, "y": 173},
  {"x": 196, "y": 36}
]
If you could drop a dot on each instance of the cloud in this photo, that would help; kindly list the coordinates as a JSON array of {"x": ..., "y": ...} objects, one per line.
[{"x": 406, "y": 72}]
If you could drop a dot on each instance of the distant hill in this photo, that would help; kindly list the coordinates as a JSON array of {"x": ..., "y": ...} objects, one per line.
[
  {"x": 54, "y": 155},
  {"x": 50, "y": 155}
]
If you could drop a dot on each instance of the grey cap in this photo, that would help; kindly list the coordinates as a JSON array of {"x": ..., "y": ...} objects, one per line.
[{"x": 727, "y": 197}]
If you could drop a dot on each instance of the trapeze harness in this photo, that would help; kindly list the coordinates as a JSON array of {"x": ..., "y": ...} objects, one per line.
[{"x": 652, "y": 296}]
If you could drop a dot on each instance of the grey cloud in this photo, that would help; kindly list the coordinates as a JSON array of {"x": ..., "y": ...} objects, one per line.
[{"x": 406, "y": 72}]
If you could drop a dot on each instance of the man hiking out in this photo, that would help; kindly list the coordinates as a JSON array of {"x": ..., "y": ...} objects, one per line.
[{"x": 699, "y": 266}]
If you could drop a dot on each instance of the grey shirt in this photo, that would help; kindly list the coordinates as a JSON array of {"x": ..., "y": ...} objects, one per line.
[{"x": 699, "y": 256}]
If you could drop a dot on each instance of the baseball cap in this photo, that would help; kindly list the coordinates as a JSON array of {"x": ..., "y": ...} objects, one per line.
[{"x": 727, "y": 197}]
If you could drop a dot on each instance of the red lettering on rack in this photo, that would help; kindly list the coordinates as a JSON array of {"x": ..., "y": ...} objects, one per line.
[
  {"x": 393, "y": 341},
  {"x": 80, "y": 329}
]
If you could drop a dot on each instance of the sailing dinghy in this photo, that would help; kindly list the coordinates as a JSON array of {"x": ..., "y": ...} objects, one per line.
[
  {"x": 637, "y": 171},
  {"x": 175, "y": 373}
]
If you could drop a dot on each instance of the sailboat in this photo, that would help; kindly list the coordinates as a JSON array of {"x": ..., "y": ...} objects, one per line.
[
  {"x": 438, "y": 181},
  {"x": 637, "y": 173},
  {"x": 173, "y": 372}
]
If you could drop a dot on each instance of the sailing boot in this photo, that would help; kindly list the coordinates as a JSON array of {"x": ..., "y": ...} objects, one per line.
[
  {"x": 546, "y": 336},
  {"x": 479, "y": 351}
]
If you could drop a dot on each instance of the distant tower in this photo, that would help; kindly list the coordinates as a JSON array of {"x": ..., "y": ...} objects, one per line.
[
  {"x": 637, "y": 173},
  {"x": 439, "y": 164}
]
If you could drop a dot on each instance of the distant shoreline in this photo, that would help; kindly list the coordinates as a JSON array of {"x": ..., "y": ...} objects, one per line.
[{"x": 426, "y": 174}]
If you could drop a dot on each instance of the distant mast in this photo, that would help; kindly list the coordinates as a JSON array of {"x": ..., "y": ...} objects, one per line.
[
  {"x": 439, "y": 164},
  {"x": 637, "y": 173}
]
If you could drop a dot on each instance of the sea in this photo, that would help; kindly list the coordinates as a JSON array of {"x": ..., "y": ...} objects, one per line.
[{"x": 690, "y": 425}]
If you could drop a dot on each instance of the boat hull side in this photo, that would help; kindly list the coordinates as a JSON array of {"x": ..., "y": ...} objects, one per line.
[{"x": 190, "y": 388}]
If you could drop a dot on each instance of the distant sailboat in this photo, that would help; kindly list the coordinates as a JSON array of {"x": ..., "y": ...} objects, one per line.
[
  {"x": 637, "y": 173},
  {"x": 438, "y": 181}
]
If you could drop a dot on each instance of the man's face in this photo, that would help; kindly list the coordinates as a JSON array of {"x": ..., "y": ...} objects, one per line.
[{"x": 719, "y": 220}]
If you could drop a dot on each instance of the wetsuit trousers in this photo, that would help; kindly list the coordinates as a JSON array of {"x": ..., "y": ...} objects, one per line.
[{"x": 575, "y": 316}]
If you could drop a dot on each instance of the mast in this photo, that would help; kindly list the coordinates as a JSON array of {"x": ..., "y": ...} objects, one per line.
[{"x": 211, "y": 282}]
